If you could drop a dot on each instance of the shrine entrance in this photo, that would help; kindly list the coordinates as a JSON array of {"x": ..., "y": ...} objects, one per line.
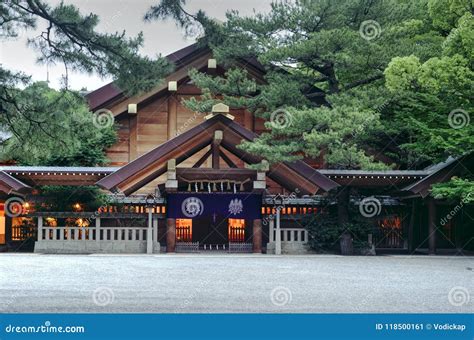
[
  {"x": 214, "y": 222},
  {"x": 213, "y": 234}
]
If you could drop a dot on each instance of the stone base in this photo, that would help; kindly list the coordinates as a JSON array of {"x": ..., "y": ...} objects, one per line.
[
  {"x": 290, "y": 248},
  {"x": 89, "y": 247}
]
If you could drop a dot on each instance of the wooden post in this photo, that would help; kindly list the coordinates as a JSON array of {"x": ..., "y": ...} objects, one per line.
[
  {"x": 170, "y": 235},
  {"x": 172, "y": 116},
  {"x": 40, "y": 228},
  {"x": 149, "y": 234},
  {"x": 97, "y": 229},
  {"x": 411, "y": 224},
  {"x": 343, "y": 206},
  {"x": 171, "y": 184},
  {"x": 257, "y": 236},
  {"x": 133, "y": 137},
  {"x": 218, "y": 136},
  {"x": 431, "y": 226}
]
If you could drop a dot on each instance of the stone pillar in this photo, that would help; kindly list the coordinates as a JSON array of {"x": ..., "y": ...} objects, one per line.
[
  {"x": 170, "y": 235},
  {"x": 97, "y": 229},
  {"x": 431, "y": 226},
  {"x": 155, "y": 229},
  {"x": 257, "y": 236},
  {"x": 149, "y": 232},
  {"x": 278, "y": 233},
  {"x": 40, "y": 228},
  {"x": 271, "y": 230}
]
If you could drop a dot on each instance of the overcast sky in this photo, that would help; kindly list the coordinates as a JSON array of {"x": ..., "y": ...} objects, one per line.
[{"x": 118, "y": 15}]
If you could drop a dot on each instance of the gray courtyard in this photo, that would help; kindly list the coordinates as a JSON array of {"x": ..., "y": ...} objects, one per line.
[{"x": 235, "y": 283}]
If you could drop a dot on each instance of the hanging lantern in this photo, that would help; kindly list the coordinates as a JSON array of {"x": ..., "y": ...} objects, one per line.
[
  {"x": 196, "y": 186},
  {"x": 214, "y": 186},
  {"x": 202, "y": 186},
  {"x": 241, "y": 186},
  {"x": 222, "y": 186},
  {"x": 189, "y": 186},
  {"x": 228, "y": 185}
]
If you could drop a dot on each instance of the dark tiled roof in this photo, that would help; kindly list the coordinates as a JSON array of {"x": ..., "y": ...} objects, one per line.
[
  {"x": 110, "y": 91},
  {"x": 10, "y": 184},
  {"x": 442, "y": 172}
]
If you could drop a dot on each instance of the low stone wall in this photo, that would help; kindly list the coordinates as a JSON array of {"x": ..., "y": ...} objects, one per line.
[
  {"x": 88, "y": 247},
  {"x": 290, "y": 248}
]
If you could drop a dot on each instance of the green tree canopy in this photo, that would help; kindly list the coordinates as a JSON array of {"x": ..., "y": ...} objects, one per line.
[
  {"x": 315, "y": 52},
  {"x": 70, "y": 38},
  {"x": 60, "y": 131}
]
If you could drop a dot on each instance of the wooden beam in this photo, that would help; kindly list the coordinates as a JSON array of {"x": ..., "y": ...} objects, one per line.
[
  {"x": 218, "y": 135},
  {"x": 203, "y": 174},
  {"x": 431, "y": 226},
  {"x": 132, "y": 141},
  {"x": 172, "y": 116},
  {"x": 249, "y": 120},
  {"x": 215, "y": 155},
  {"x": 227, "y": 160},
  {"x": 170, "y": 235},
  {"x": 157, "y": 169},
  {"x": 257, "y": 236},
  {"x": 203, "y": 158},
  {"x": 178, "y": 75}
]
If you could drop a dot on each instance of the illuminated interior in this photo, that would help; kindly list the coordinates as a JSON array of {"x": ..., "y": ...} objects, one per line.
[
  {"x": 236, "y": 230},
  {"x": 390, "y": 222},
  {"x": 184, "y": 230}
]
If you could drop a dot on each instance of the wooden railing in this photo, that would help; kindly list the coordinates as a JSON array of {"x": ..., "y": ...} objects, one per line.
[
  {"x": 187, "y": 247},
  {"x": 240, "y": 247},
  {"x": 231, "y": 247},
  {"x": 388, "y": 238},
  {"x": 93, "y": 234}
]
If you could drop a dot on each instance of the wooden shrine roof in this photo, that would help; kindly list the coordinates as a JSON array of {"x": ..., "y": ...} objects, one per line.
[{"x": 292, "y": 176}]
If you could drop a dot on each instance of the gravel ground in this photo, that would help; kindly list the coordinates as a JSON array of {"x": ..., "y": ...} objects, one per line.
[{"x": 235, "y": 284}]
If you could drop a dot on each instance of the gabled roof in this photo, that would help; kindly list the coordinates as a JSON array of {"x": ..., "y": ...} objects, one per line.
[
  {"x": 9, "y": 184},
  {"x": 442, "y": 172},
  {"x": 110, "y": 92},
  {"x": 292, "y": 176}
]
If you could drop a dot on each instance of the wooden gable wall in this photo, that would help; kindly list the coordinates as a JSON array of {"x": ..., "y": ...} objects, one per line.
[{"x": 161, "y": 118}]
